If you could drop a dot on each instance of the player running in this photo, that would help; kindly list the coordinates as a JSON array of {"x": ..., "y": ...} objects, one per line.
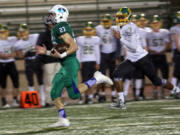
[
  {"x": 137, "y": 56},
  {"x": 67, "y": 76}
]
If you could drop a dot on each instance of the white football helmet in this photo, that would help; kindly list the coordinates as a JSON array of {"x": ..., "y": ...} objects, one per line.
[{"x": 60, "y": 13}]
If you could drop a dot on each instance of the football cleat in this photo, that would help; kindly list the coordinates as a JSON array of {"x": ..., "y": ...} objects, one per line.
[
  {"x": 118, "y": 105},
  {"x": 100, "y": 78},
  {"x": 15, "y": 104},
  {"x": 6, "y": 106},
  {"x": 62, "y": 122},
  {"x": 177, "y": 92}
]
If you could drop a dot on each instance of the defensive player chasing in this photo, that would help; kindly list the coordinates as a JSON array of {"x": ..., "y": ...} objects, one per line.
[
  {"x": 68, "y": 74},
  {"x": 137, "y": 57}
]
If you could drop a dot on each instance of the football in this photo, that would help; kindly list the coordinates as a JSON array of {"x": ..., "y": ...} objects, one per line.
[{"x": 61, "y": 48}]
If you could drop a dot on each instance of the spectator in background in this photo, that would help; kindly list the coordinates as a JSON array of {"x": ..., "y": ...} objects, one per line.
[
  {"x": 108, "y": 52},
  {"x": 7, "y": 66},
  {"x": 51, "y": 65},
  {"x": 25, "y": 48},
  {"x": 175, "y": 38},
  {"x": 158, "y": 44},
  {"x": 88, "y": 55}
]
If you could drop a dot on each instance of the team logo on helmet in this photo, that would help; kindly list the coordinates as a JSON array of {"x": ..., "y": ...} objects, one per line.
[{"x": 58, "y": 13}]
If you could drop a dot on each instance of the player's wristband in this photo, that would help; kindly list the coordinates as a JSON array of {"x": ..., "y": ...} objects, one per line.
[
  {"x": 64, "y": 54},
  {"x": 48, "y": 52}
]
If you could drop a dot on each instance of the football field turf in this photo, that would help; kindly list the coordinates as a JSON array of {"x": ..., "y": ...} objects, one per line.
[{"x": 158, "y": 117}]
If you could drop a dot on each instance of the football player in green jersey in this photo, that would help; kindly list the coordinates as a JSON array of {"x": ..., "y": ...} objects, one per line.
[{"x": 67, "y": 76}]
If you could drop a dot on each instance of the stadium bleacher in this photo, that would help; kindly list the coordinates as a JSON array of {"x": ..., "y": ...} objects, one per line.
[{"x": 32, "y": 11}]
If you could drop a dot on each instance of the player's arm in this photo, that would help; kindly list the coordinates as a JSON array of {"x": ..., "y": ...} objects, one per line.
[
  {"x": 19, "y": 54},
  {"x": 72, "y": 46},
  {"x": 71, "y": 42},
  {"x": 176, "y": 37}
]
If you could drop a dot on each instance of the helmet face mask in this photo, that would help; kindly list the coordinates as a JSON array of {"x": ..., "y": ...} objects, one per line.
[
  {"x": 58, "y": 13},
  {"x": 123, "y": 16},
  {"x": 156, "y": 23},
  {"x": 106, "y": 21},
  {"x": 4, "y": 32},
  {"x": 176, "y": 18},
  {"x": 23, "y": 32},
  {"x": 143, "y": 21}
]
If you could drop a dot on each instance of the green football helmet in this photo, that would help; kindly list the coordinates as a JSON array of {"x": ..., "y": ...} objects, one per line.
[
  {"x": 4, "y": 32},
  {"x": 23, "y": 31},
  {"x": 156, "y": 22},
  {"x": 135, "y": 19},
  {"x": 143, "y": 20},
  {"x": 176, "y": 18},
  {"x": 123, "y": 16},
  {"x": 106, "y": 21},
  {"x": 89, "y": 29}
]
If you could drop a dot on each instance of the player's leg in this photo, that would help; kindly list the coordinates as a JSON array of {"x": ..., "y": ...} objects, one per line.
[
  {"x": 103, "y": 68},
  {"x": 37, "y": 67},
  {"x": 164, "y": 68},
  {"x": 15, "y": 80},
  {"x": 49, "y": 71},
  {"x": 112, "y": 66},
  {"x": 68, "y": 77},
  {"x": 155, "y": 62},
  {"x": 29, "y": 74},
  {"x": 123, "y": 69},
  {"x": 88, "y": 68},
  {"x": 126, "y": 85},
  {"x": 56, "y": 96},
  {"x": 3, "y": 79},
  {"x": 147, "y": 67}
]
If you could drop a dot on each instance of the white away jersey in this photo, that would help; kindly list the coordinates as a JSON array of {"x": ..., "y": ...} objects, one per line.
[
  {"x": 143, "y": 36},
  {"x": 88, "y": 49},
  {"x": 7, "y": 47},
  {"x": 27, "y": 45},
  {"x": 157, "y": 40},
  {"x": 108, "y": 41},
  {"x": 174, "y": 30},
  {"x": 130, "y": 38}
]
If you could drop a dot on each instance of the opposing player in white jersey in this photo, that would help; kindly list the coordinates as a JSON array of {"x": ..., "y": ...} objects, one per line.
[
  {"x": 137, "y": 75},
  {"x": 137, "y": 56},
  {"x": 88, "y": 55},
  {"x": 25, "y": 48},
  {"x": 108, "y": 51},
  {"x": 7, "y": 66},
  {"x": 158, "y": 41},
  {"x": 175, "y": 40}
]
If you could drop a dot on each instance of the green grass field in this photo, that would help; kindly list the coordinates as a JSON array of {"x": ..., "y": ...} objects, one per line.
[{"x": 158, "y": 117}]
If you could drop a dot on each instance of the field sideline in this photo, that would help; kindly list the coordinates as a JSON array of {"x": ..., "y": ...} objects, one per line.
[{"x": 158, "y": 117}]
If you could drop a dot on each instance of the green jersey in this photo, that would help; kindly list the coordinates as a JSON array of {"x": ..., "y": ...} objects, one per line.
[
  {"x": 68, "y": 73},
  {"x": 58, "y": 30}
]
